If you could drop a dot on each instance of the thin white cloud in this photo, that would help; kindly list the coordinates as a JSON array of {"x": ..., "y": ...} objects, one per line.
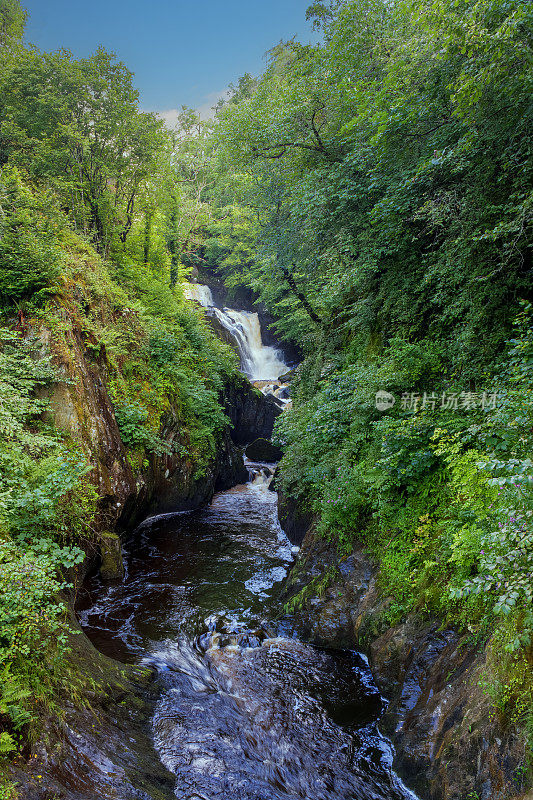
[
  {"x": 206, "y": 109},
  {"x": 170, "y": 116}
]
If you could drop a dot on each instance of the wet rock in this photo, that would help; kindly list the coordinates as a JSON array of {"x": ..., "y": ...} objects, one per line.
[
  {"x": 81, "y": 406},
  {"x": 96, "y": 750},
  {"x": 332, "y": 626},
  {"x": 252, "y": 414},
  {"x": 100, "y": 749},
  {"x": 242, "y": 297},
  {"x": 168, "y": 481},
  {"x": 263, "y": 450},
  {"x": 449, "y": 744},
  {"x": 287, "y": 377},
  {"x": 111, "y": 568},
  {"x": 222, "y": 332},
  {"x": 294, "y": 520}
]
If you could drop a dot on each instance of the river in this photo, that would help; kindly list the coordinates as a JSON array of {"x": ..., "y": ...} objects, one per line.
[{"x": 247, "y": 711}]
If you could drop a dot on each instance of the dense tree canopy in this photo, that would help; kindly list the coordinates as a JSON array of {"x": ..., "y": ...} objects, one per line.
[
  {"x": 76, "y": 124},
  {"x": 390, "y": 170},
  {"x": 12, "y": 20}
]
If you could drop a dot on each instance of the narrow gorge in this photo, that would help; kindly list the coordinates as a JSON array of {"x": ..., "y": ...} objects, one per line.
[
  {"x": 218, "y": 691},
  {"x": 208, "y": 677},
  {"x": 266, "y": 400}
]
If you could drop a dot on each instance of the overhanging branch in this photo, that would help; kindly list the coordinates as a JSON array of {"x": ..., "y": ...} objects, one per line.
[{"x": 289, "y": 277}]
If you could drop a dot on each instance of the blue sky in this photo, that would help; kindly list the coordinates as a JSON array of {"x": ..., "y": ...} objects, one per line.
[{"x": 182, "y": 52}]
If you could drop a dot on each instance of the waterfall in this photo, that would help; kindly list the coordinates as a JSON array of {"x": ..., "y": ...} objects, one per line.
[
  {"x": 202, "y": 294},
  {"x": 258, "y": 361}
]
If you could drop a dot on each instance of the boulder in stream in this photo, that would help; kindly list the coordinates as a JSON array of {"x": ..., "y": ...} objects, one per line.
[
  {"x": 111, "y": 568},
  {"x": 263, "y": 450}
]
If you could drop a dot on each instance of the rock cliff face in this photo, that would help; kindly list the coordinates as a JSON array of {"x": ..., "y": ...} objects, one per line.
[
  {"x": 252, "y": 414},
  {"x": 294, "y": 520},
  {"x": 449, "y": 745},
  {"x": 81, "y": 406}
]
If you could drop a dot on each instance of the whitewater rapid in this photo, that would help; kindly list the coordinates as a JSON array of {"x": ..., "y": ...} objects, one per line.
[{"x": 258, "y": 361}]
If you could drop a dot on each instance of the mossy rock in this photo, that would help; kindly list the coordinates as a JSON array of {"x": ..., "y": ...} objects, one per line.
[{"x": 112, "y": 566}]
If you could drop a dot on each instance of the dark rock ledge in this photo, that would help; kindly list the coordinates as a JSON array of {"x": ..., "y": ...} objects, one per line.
[{"x": 449, "y": 744}]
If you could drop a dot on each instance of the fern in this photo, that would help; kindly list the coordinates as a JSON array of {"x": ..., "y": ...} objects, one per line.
[
  {"x": 12, "y": 701},
  {"x": 7, "y": 743}
]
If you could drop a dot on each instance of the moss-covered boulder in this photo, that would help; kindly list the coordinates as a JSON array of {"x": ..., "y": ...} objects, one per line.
[{"x": 112, "y": 567}]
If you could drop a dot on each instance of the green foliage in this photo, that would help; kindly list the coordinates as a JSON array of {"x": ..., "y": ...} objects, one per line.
[
  {"x": 39, "y": 473},
  {"x": 12, "y": 20},
  {"x": 44, "y": 506},
  {"x": 507, "y": 556},
  {"x": 32, "y": 619},
  {"x": 315, "y": 588},
  {"x": 132, "y": 419},
  {"x": 230, "y": 246},
  {"x": 146, "y": 242},
  {"x": 443, "y": 500},
  {"x": 99, "y": 210},
  {"x": 373, "y": 190},
  {"x": 507, "y": 678},
  {"x": 389, "y": 168},
  {"x": 76, "y": 124},
  {"x": 8, "y": 790},
  {"x": 175, "y": 372},
  {"x": 30, "y": 259},
  {"x": 162, "y": 364}
]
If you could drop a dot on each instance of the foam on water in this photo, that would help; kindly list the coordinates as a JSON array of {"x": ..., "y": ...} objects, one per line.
[{"x": 246, "y": 709}]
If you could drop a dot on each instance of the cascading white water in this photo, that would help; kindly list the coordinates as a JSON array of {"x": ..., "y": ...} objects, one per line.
[
  {"x": 259, "y": 361},
  {"x": 202, "y": 294}
]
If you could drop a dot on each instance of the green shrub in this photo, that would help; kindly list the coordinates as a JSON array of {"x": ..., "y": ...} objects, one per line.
[
  {"x": 442, "y": 500},
  {"x": 132, "y": 422},
  {"x": 45, "y": 505},
  {"x": 30, "y": 259},
  {"x": 8, "y": 790}
]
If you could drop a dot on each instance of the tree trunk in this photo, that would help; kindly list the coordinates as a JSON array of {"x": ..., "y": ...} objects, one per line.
[
  {"x": 147, "y": 235},
  {"x": 289, "y": 277}
]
